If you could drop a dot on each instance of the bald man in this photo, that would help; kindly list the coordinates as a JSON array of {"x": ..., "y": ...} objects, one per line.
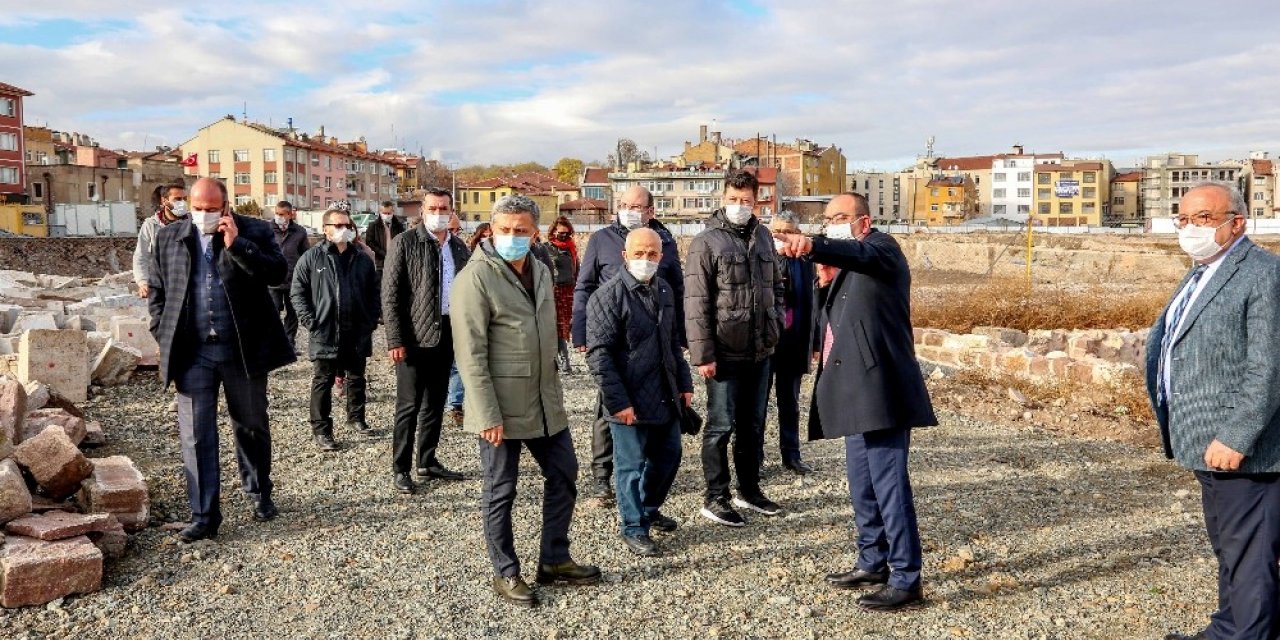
[
  {"x": 218, "y": 328},
  {"x": 633, "y": 349},
  {"x": 600, "y": 262}
]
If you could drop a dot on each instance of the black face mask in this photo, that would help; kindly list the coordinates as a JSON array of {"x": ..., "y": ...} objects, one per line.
[{"x": 563, "y": 236}]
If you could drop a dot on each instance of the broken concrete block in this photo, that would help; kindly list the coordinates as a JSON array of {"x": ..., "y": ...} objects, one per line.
[
  {"x": 15, "y": 499},
  {"x": 111, "y": 540},
  {"x": 58, "y": 359},
  {"x": 33, "y": 572},
  {"x": 115, "y": 363},
  {"x": 136, "y": 333},
  {"x": 94, "y": 435},
  {"x": 33, "y": 321},
  {"x": 57, "y": 525},
  {"x": 37, "y": 394},
  {"x": 39, "y": 419},
  {"x": 9, "y": 316},
  {"x": 116, "y": 486},
  {"x": 54, "y": 461},
  {"x": 13, "y": 413}
]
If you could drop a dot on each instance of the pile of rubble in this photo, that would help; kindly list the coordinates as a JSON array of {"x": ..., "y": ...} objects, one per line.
[
  {"x": 1090, "y": 357},
  {"x": 62, "y": 512},
  {"x": 71, "y": 333}
]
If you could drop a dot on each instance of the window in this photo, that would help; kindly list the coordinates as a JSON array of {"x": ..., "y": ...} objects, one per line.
[
  {"x": 663, "y": 204},
  {"x": 315, "y": 201},
  {"x": 241, "y": 155},
  {"x": 933, "y": 192},
  {"x": 242, "y": 177},
  {"x": 1090, "y": 177},
  {"x": 214, "y": 156},
  {"x": 9, "y": 175},
  {"x": 997, "y": 193},
  {"x": 701, "y": 203},
  {"x": 243, "y": 199},
  {"x": 1259, "y": 179},
  {"x": 933, "y": 207},
  {"x": 1257, "y": 211},
  {"x": 1066, "y": 208},
  {"x": 288, "y": 154},
  {"x": 8, "y": 107},
  {"x": 1090, "y": 192},
  {"x": 998, "y": 209},
  {"x": 328, "y": 182},
  {"x": 1259, "y": 195},
  {"x": 1042, "y": 178},
  {"x": 269, "y": 155},
  {"x": 315, "y": 162},
  {"x": 1066, "y": 175},
  {"x": 999, "y": 177},
  {"x": 1117, "y": 200},
  {"x": 1024, "y": 209},
  {"x": 1010, "y": 164},
  {"x": 37, "y": 190},
  {"x": 882, "y": 184},
  {"x": 1089, "y": 208},
  {"x": 1024, "y": 192},
  {"x": 328, "y": 163},
  {"x": 288, "y": 178},
  {"x": 1024, "y": 176},
  {"x": 91, "y": 189},
  {"x": 216, "y": 175},
  {"x": 493, "y": 197},
  {"x": 269, "y": 177},
  {"x": 270, "y": 200},
  {"x": 951, "y": 192},
  {"x": 8, "y": 142}
]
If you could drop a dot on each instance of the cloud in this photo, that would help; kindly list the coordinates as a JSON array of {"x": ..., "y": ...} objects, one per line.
[{"x": 506, "y": 80}]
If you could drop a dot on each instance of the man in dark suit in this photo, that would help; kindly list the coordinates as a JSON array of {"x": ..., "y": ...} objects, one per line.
[
  {"x": 869, "y": 390},
  {"x": 381, "y": 233},
  {"x": 217, "y": 326},
  {"x": 792, "y": 357},
  {"x": 1212, "y": 375}
]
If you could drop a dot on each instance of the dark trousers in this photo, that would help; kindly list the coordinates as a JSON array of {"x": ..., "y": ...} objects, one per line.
[
  {"x": 197, "y": 387},
  {"x": 283, "y": 303},
  {"x": 501, "y": 468},
  {"x": 601, "y": 444},
  {"x": 647, "y": 458},
  {"x": 422, "y": 382},
  {"x": 883, "y": 505},
  {"x": 737, "y": 399},
  {"x": 1242, "y": 515},
  {"x": 786, "y": 385},
  {"x": 324, "y": 370}
]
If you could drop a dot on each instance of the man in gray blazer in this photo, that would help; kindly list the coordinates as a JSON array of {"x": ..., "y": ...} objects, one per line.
[{"x": 1213, "y": 374}]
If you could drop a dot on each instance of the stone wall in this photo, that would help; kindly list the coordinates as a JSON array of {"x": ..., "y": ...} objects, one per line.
[
  {"x": 1091, "y": 357},
  {"x": 82, "y": 257}
]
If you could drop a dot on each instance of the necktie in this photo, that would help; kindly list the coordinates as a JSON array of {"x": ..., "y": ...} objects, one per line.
[
  {"x": 1175, "y": 318},
  {"x": 828, "y": 341}
]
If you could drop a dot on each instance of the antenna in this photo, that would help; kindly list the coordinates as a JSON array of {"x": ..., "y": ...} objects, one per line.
[{"x": 244, "y": 111}]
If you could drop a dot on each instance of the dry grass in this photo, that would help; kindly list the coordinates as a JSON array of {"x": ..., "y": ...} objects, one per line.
[
  {"x": 1123, "y": 399},
  {"x": 1010, "y": 303}
]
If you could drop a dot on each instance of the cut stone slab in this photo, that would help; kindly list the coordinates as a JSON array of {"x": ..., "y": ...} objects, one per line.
[
  {"x": 34, "y": 572},
  {"x": 58, "y": 359},
  {"x": 9, "y": 316},
  {"x": 94, "y": 435},
  {"x": 115, "y": 363},
  {"x": 41, "y": 504},
  {"x": 37, "y": 394},
  {"x": 40, "y": 419},
  {"x": 54, "y": 461},
  {"x": 34, "y": 321},
  {"x": 57, "y": 525},
  {"x": 15, "y": 499},
  {"x": 13, "y": 412},
  {"x": 116, "y": 486},
  {"x": 111, "y": 540},
  {"x": 136, "y": 333}
]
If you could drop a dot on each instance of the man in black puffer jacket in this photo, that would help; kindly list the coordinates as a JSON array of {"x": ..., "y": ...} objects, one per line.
[
  {"x": 416, "y": 283},
  {"x": 734, "y": 305},
  {"x": 333, "y": 291},
  {"x": 634, "y": 353}
]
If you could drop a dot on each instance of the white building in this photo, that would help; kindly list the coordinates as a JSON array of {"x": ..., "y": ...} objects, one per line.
[{"x": 1011, "y": 183}]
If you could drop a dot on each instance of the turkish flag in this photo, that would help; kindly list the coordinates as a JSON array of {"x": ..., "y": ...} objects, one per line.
[{"x": 191, "y": 161}]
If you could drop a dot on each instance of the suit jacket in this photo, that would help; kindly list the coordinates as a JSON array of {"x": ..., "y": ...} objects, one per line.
[
  {"x": 251, "y": 265},
  {"x": 794, "y": 352},
  {"x": 373, "y": 238},
  {"x": 412, "y": 286},
  {"x": 871, "y": 380},
  {"x": 1224, "y": 380}
]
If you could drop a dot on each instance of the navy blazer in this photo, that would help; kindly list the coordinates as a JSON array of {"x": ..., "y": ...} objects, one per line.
[{"x": 794, "y": 353}]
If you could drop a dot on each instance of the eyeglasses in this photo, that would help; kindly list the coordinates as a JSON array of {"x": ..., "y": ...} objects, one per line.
[
  {"x": 342, "y": 226},
  {"x": 638, "y": 208},
  {"x": 1202, "y": 219},
  {"x": 841, "y": 218}
]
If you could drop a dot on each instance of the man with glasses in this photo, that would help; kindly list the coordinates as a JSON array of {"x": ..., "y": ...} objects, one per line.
[
  {"x": 869, "y": 390},
  {"x": 1212, "y": 375},
  {"x": 603, "y": 259},
  {"x": 733, "y": 317},
  {"x": 417, "y": 282}
]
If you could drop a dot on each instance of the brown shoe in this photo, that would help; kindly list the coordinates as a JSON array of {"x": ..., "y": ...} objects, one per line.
[{"x": 514, "y": 590}]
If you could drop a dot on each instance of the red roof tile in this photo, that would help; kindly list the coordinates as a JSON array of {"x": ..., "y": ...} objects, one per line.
[
  {"x": 596, "y": 175},
  {"x": 1263, "y": 168},
  {"x": 14, "y": 91},
  {"x": 1130, "y": 176}
]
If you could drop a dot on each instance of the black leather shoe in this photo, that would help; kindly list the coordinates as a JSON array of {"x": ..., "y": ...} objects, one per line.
[
  {"x": 798, "y": 467},
  {"x": 642, "y": 546},
  {"x": 603, "y": 491},
  {"x": 1181, "y": 636},
  {"x": 892, "y": 599},
  {"x": 568, "y": 573},
  {"x": 438, "y": 473},
  {"x": 404, "y": 484},
  {"x": 515, "y": 591},
  {"x": 662, "y": 523},
  {"x": 265, "y": 510},
  {"x": 857, "y": 578},
  {"x": 325, "y": 442},
  {"x": 198, "y": 531},
  {"x": 361, "y": 427}
]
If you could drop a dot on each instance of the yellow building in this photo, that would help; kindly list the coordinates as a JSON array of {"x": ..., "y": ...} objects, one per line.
[
  {"x": 27, "y": 220},
  {"x": 944, "y": 200},
  {"x": 1076, "y": 192},
  {"x": 476, "y": 199},
  {"x": 1126, "y": 209}
]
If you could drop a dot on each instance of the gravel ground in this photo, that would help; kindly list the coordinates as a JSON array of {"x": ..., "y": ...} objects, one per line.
[{"x": 1027, "y": 535}]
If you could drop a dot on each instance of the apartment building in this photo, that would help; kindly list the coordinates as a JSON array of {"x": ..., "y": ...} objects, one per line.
[
  {"x": 691, "y": 192},
  {"x": 1126, "y": 200},
  {"x": 805, "y": 168},
  {"x": 1260, "y": 185},
  {"x": 885, "y": 193},
  {"x": 13, "y": 172},
  {"x": 1167, "y": 177},
  {"x": 945, "y": 200},
  {"x": 476, "y": 199},
  {"x": 1072, "y": 193}
]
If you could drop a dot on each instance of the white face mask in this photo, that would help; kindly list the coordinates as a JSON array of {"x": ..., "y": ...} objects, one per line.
[
  {"x": 842, "y": 231},
  {"x": 630, "y": 219},
  {"x": 738, "y": 214},
  {"x": 178, "y": 208},
  {"x": 386, "y": 217},
  {"x": 206, "y": 221},
  {"x": 436, "y": 222},
  {"x": 282, "y": 221},
  {"x": 643, "y": 270},
  {"x": 1199, "y": 242},
  {"x": 341, "y": 236},
  {"x": 778, "y": 245}
]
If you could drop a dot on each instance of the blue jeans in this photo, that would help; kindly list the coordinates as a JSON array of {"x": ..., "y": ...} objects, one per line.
[
  {"x": 883, "y": 505},
  {"x": 454, "y": 400},
  {"x": 737, "y": 399},
  {"x": 645, "y": 460}
]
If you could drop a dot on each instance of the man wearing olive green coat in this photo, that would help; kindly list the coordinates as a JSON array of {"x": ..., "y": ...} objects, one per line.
[{"x": 504, "y": 332}]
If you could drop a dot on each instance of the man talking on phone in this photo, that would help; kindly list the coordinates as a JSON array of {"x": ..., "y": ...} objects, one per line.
[{"x": 217, "y": 326}]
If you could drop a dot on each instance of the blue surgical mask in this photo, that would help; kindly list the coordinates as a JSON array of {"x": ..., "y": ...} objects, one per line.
[{"x": 511, "y": 248}]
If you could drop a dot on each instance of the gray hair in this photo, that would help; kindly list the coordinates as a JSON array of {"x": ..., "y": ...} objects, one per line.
[
  {"x": 515, "y": 203},
  {"x": 1239, "y": 205},
  {"x": 787, "y": 217}
]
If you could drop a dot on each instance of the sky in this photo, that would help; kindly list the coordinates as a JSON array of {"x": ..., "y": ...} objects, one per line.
[{"x": 493, "y": 81}]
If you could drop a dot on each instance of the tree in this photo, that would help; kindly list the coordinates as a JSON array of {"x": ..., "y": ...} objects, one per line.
[
  {"x": 568, "y": 169},
  {"x": 626, "y": 151},
  {"x": 433, "y": 174},
  {"x": 249, "y": 208}
]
